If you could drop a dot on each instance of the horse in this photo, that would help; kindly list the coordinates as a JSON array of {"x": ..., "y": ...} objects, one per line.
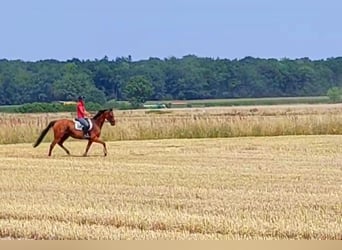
[{"x": 64, "y": 128}]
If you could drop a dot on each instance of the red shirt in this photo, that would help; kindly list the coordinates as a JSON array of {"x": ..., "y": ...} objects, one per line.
[{"x": 80, "y": 109}]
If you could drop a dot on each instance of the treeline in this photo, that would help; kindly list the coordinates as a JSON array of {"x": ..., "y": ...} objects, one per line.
[{"x": 186, "y": 78}]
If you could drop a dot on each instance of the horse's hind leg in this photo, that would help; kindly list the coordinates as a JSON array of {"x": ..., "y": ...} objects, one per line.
[
  {"x": 61, "y": 141},
  {"x": 52, "y": 145}
]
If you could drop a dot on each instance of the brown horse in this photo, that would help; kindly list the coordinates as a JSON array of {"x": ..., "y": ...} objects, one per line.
[{"x": 64, "y": 128}]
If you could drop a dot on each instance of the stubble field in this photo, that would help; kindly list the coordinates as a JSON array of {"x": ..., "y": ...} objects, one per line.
[{"x": 286, "y": 187}]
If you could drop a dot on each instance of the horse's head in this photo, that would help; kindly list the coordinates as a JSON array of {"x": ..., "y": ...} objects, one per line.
[
  {"x": 109, "y": 115},
  {"x": 105, "y": 114}
]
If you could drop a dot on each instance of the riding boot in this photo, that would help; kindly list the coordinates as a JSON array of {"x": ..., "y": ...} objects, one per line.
[{"x": 85, "y": 133}]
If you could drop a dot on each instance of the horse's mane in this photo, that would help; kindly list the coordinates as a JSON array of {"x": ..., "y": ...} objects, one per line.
[{"x": 100, "y": 112}]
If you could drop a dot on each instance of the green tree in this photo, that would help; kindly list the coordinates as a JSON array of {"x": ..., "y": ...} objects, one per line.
[
  {"x": 189, "y": 77},
  {"x": 73, "y": 83},
  {"x": 138, "y": 90}
]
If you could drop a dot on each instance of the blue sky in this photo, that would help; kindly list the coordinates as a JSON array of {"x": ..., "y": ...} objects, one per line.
[{"x": 34, "y": 30}]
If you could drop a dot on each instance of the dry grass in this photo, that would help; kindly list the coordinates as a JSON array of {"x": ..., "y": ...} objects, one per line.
[
  {"x": 237, "y": 188},
  {"x": 191, "y": 123}
]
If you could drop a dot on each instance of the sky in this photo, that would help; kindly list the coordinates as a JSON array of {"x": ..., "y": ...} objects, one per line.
[{"x": 32, "y": 30}]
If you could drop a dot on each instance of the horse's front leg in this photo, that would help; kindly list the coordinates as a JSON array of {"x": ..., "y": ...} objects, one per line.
[
  {"x": 88, "y": 147},
  {"x": 98, "y": 140}
]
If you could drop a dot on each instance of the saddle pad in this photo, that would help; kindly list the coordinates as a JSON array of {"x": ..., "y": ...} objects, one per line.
[{"x": 78, "y": 125}]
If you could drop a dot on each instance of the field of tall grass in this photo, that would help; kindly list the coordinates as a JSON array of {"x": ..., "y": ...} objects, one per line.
[
  {"x": 191, "y": 123},
  {"x": 287, "y": 187}
]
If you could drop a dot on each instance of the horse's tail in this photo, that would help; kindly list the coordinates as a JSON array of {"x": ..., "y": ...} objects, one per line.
[{"x": 44, "y": 132}]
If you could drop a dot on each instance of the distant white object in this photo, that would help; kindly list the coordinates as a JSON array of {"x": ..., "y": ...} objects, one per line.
[{"x": 155, "y": 106}]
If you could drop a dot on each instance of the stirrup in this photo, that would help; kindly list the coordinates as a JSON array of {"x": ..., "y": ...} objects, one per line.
[{"x": 86, "y": 135}]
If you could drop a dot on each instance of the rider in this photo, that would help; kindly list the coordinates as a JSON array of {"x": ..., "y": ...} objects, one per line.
[{"x": 81, "y": 114}]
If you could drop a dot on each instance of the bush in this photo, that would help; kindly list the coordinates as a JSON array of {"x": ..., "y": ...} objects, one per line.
[{"x": 334, "y": 94}]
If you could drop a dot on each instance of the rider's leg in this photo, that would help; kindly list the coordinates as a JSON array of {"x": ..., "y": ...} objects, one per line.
[{"x": 85, "y": 127}]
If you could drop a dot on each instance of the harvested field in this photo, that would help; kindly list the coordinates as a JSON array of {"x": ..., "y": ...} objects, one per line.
[{"x": 286, "y": 187}]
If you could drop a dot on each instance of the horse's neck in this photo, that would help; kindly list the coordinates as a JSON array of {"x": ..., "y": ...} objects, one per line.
[{"x": 99, "y": 121}]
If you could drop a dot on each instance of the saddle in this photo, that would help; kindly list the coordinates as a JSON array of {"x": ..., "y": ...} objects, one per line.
[{"x": 78, "y": 125}]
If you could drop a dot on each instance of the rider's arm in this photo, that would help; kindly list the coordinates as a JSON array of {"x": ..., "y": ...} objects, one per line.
[
  {"x": 82, "y": 110},
  {"x": 85, "y": 112}
]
